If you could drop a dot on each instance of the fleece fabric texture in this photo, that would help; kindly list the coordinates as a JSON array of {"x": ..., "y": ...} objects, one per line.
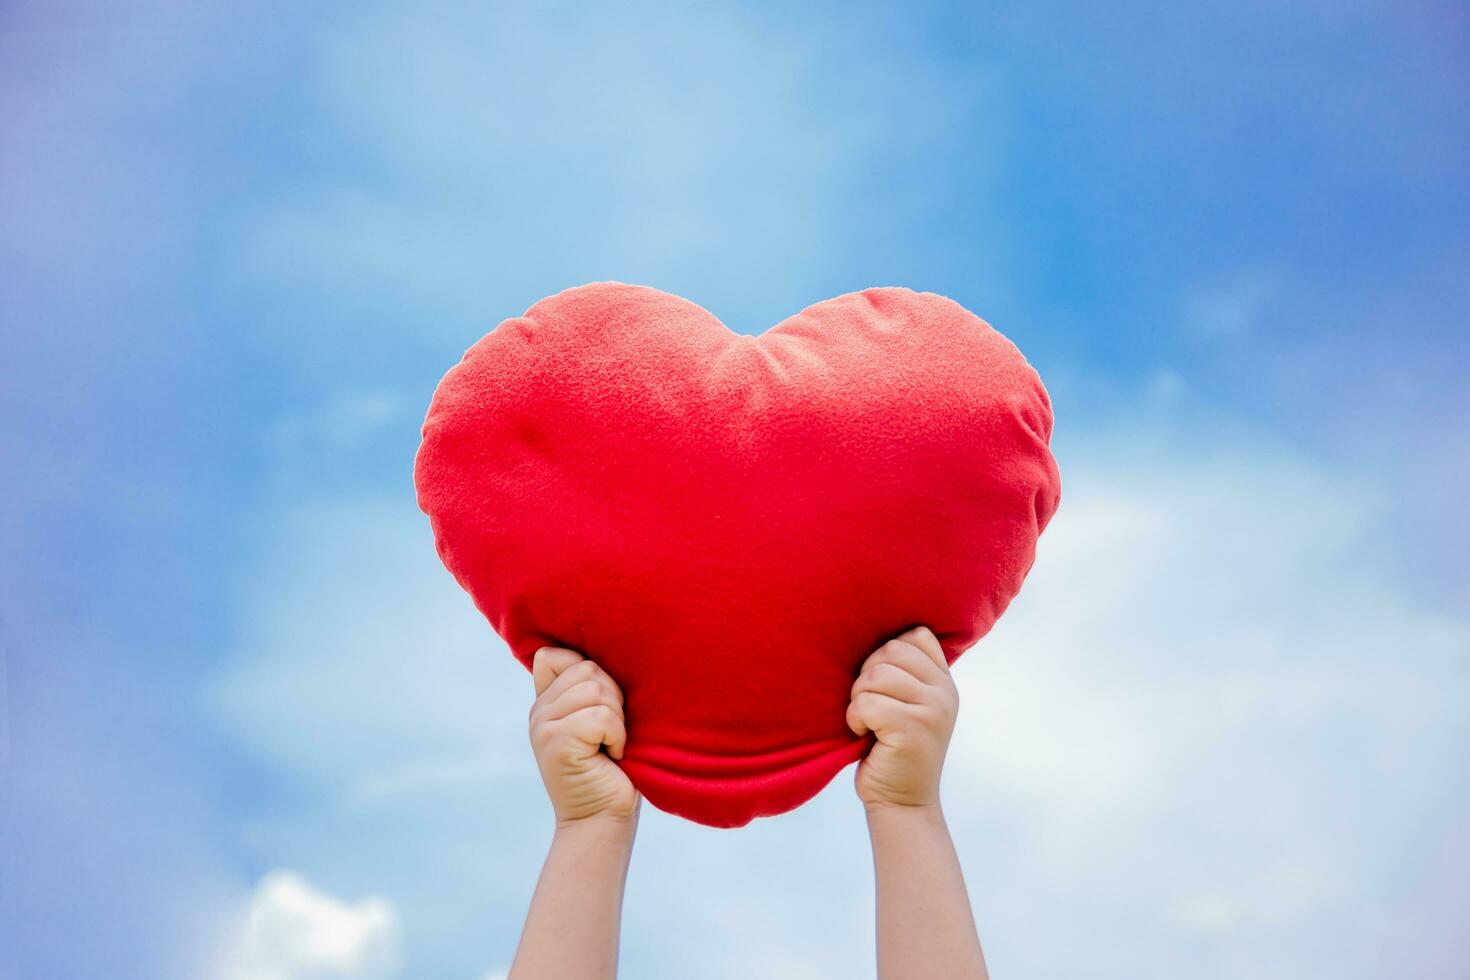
[{"x": 730, "y": 524}]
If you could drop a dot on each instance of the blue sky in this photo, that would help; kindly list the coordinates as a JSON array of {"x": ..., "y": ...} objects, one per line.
[{"x": 1225, "y": 730}]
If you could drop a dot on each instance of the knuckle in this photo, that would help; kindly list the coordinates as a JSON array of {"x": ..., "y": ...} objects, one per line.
[
  {"x": 902, "y": 651},
  {"x": 609, "y": 696},
  {"x": 873, "y": 680},
  {"x": 890, "y": 671},
  {"x": 598, "y": 716}
]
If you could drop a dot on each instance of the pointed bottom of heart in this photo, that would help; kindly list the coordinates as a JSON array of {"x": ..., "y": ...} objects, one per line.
[{"x": 732, "y": 790}]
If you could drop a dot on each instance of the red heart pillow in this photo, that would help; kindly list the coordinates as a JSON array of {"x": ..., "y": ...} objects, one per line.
[{"x": 730, "y": 524}]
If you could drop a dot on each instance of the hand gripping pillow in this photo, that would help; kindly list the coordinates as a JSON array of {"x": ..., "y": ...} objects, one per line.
[{"x": 729, "y": 524}]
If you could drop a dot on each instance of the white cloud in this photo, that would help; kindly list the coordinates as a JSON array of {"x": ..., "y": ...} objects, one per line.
[{"x": 292, "y": 931}]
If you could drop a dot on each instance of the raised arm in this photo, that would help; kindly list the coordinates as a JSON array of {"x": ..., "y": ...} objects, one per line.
[
  {"x": 577, "y": 733},
  {"x": 906, "y": 697}
]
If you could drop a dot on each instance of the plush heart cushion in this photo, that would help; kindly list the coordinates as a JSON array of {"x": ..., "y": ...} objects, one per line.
[{"x": 730, "y": 524}]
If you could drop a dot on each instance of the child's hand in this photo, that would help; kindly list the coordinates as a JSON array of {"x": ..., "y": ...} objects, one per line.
[
  {"x": 579, "y": 710},
  {"x": 907, "y": 698}
]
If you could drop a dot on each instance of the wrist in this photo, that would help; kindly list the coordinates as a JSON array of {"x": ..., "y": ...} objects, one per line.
[
  {"x": 605, "y": 828},
  {"x": 886, "y": 812}
]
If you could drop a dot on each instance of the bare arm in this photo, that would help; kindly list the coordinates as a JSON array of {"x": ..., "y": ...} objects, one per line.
[
  {"x": 906, "y": 697},
  {"x": 925, "y": 927},
  {"x": 572, "y": 927}
]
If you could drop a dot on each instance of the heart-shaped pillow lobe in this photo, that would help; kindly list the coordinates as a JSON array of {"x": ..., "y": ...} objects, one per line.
[{"x": 730, "y": 524}]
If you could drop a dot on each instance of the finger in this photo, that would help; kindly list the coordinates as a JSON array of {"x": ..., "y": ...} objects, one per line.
[
  {"x": 548, "y": 663},
  {"x": 616, "y": 739},
  {"x": 892, "y": 680},
  {"x": 596, "y": 726},
  {"x": 923, "y": 638},
  {"x": 874, "y": 712},
  {"x": 902, "y": 653},
  {"x": 584, "y": 670},
  {"x": 581, "y": 695}
]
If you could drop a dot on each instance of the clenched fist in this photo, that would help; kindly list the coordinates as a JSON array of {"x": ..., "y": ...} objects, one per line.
[
  {"x": 907, "y": 698},
  {"x": 577, "y": 714}
]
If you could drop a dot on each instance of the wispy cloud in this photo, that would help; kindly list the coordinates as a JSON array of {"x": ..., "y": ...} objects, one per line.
[
  {"x": 1203, "y": 705},
  {"x": 733, "y": 156},
  {"x": 361, "y": 668},
  {"x": 1232, "y": 308}
]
